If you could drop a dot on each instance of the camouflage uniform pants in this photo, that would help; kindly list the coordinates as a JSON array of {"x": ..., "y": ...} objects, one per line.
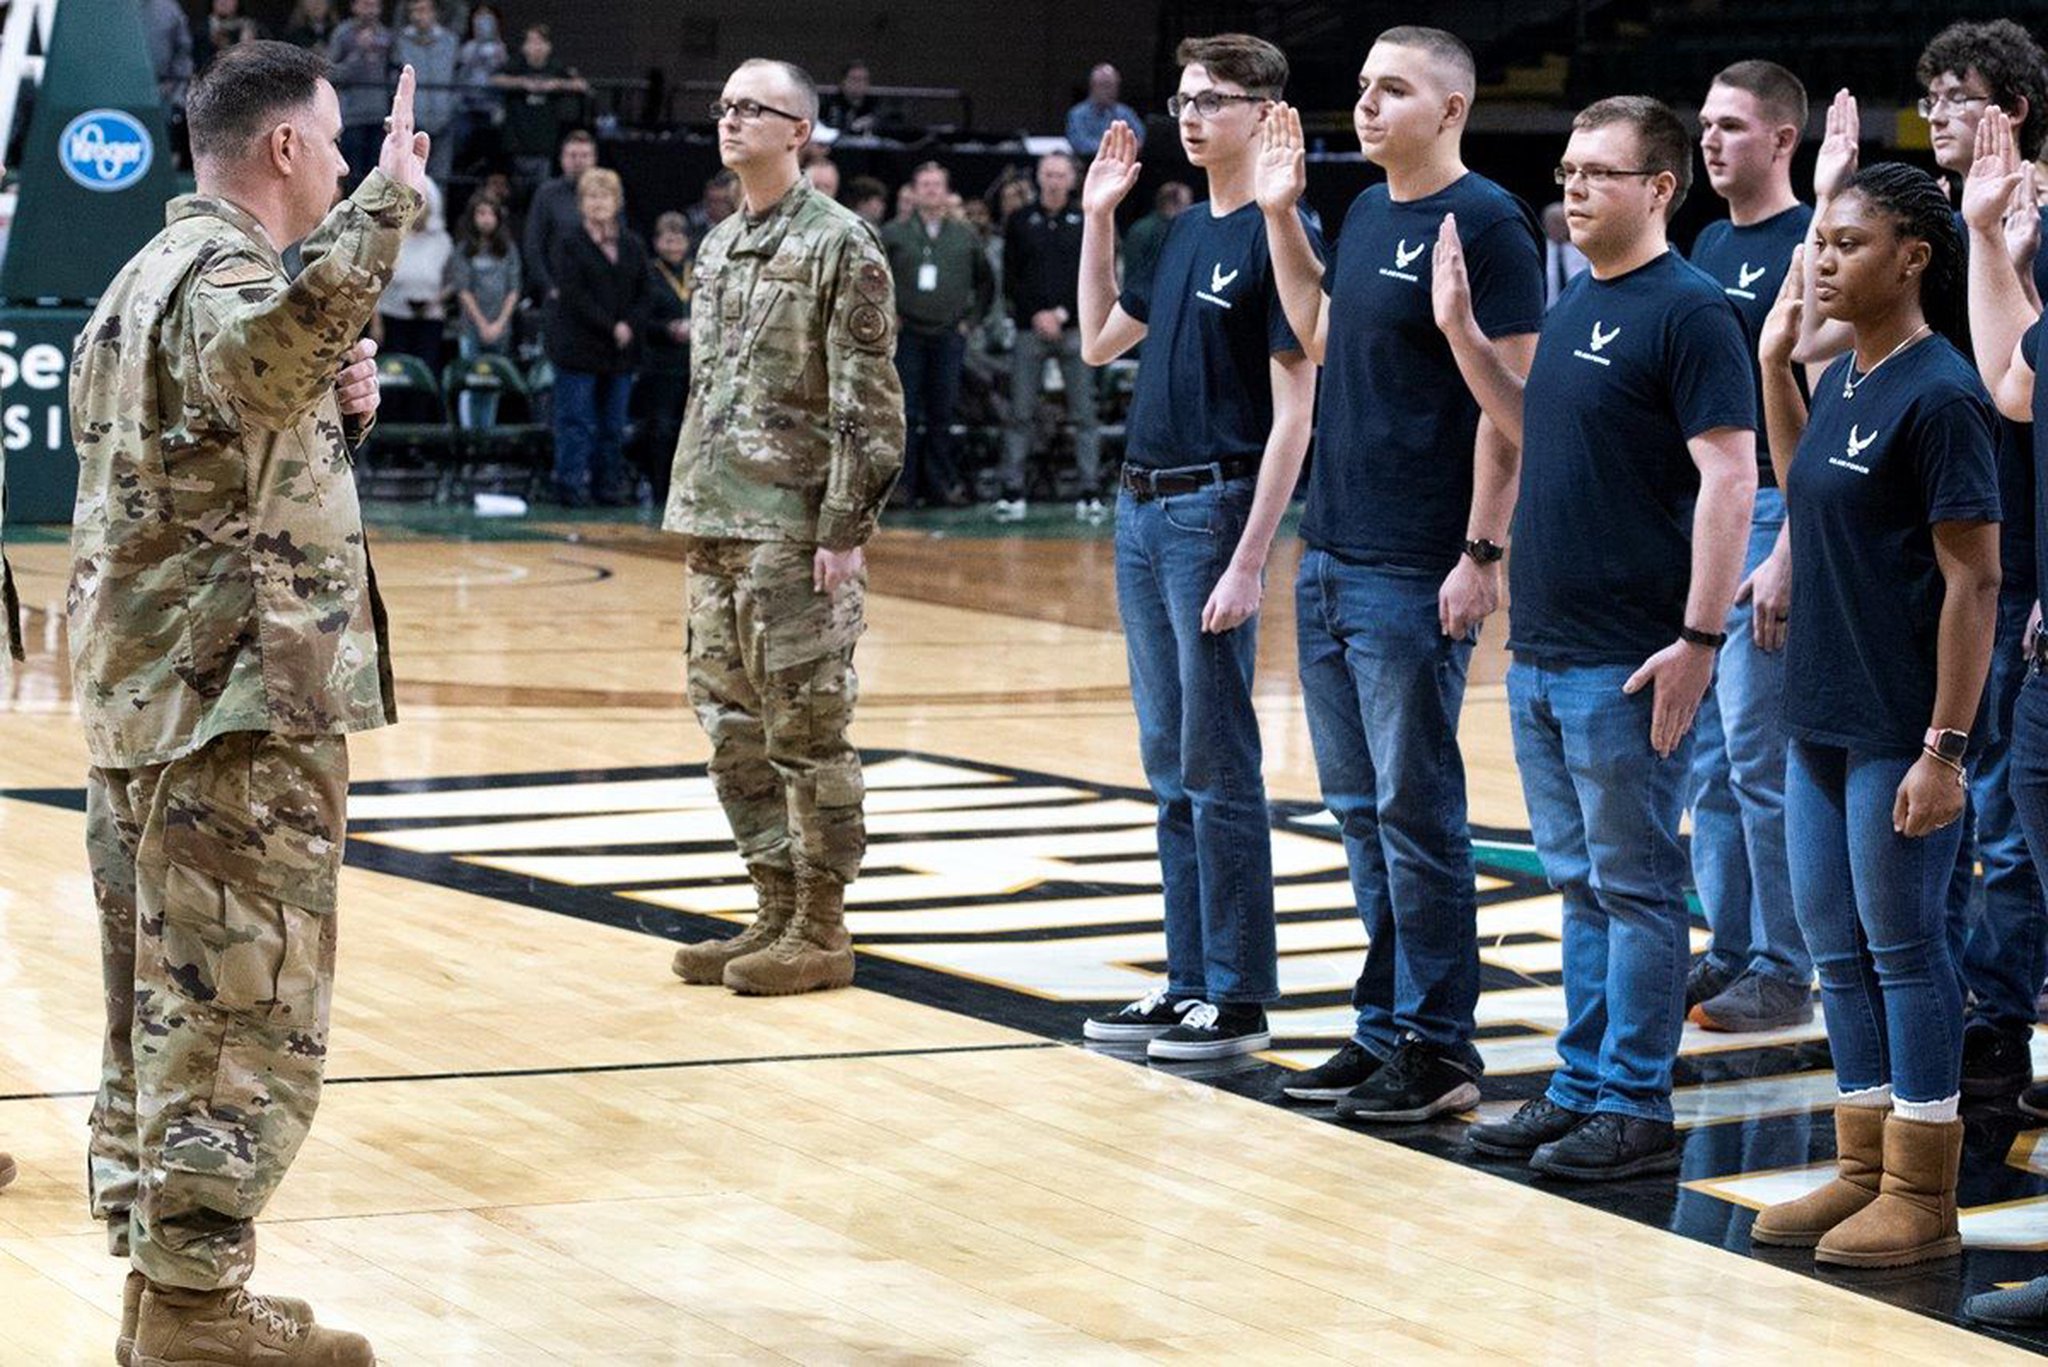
[
  {"x": 771, "y": 678},
  {"x": 215, "y": 876}
]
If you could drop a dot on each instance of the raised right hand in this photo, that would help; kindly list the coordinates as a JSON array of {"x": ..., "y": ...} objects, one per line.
[
  {"x": 1282, "y": 168},
  {"x": 1450, "y": 291},
  {"x": 1113, "y": 172},
  {"x": 404, "y": 156},
  {"x": 1840, "y": 148},
  {"x": 1994, "y": 174},
  {"x": 1780, "y": 335}
]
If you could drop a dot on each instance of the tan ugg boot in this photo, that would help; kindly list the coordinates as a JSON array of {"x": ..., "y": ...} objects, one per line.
[
  {"x": 1913, "y": 1219},
  {"x": 231, "y": 1328},
  {"x": 290, "y": 1307},
  {"x": 814, "y": 954},
  {"x": 703, "y": 963},
  {"x": 1859, "y": 1164}
]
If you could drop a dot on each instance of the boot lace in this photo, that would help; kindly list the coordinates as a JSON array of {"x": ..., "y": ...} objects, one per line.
[
  {"x": 265, "y": 1315},
  {"x": 1201, "y": 1016}
]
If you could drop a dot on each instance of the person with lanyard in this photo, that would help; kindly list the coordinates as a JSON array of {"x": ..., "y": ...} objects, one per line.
[
  {"x": 1639, "y": 466},
  {"x": 1408, "y": 504},
  {"x": 2005, "y": 329},
  {"x": 1892, "y": 487},
  {"x": 1755, "y": 974},
  {"x": 1218, "y": 428}
]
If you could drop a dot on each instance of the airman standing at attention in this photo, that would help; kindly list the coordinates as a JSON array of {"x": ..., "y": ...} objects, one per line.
[
  {"x": 791, "y": 442},
  {"x": 226, "y": 636}
]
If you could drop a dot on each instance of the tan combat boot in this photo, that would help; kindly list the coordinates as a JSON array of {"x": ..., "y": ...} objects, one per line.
[
  {"x": 231, "y": 1328},
  {"x": 1913, "y": 1219},
  {"x": 1859, "y": 1164},
  {"x": 131, "y": 1310},
  {"x": 815, "y": 953},
  {"x": 703, "y": 963}
]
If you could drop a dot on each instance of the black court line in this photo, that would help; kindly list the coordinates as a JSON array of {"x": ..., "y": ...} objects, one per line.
[{"x": 585, "y": 1069}]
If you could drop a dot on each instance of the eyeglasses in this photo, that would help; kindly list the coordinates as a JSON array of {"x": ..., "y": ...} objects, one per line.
[
  {"x": 1594, "y": 175},
  {"x": 1208, "y": 104},
  {"x": 749, "y": 110},
  {"x": 1930, "y": 103}
]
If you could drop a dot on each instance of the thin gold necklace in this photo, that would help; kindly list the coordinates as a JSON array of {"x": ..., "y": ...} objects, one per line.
[{"x": 1849, "y": 386}]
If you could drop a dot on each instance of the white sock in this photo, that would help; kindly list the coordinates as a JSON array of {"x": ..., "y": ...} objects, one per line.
[
  {"x": 1928, "y": 1112},
  {"x": 1869, "y": 1096}
]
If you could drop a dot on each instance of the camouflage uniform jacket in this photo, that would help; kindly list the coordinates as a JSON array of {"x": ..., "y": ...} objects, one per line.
[
  {"x": 794, "y": 430},
  {"x": 220, "y": 580}
]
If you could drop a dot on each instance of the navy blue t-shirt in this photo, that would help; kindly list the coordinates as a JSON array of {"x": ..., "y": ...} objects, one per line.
[
  {"x": 1750, "y": 264},
  {"x": 1392, "y": 478},
  {"x": 2016, "y": 477},
  {"x": 1627, "y": 371},
  {"x": 1213, "y": 324},
  {"x": 1916, "y": 446},
  {"x": 2030, "y": 347}
]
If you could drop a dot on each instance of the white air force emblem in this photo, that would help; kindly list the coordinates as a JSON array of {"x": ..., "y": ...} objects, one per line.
[
  {"x": 1601, "y": 339},
  {"x": 1219, "y": 280},
  {"x": 1852, "y": 459},
  {"x": 1749, "y": 277},
  {"x": 1404, "y": 255}
]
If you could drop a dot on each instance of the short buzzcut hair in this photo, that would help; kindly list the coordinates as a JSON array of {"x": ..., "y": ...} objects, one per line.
[
  {"x": 938, "y": 166},
  {"x": 2008, "y": 59},
  {"x": 1782, "y": 94},
  {"x": 1664, "y": 143},
  {"x": 245, "y": 92},
  {"x": 799, "y": 80},
  {"x": 1239, "y": 58},
  {"x": 1443, "y": 47}
]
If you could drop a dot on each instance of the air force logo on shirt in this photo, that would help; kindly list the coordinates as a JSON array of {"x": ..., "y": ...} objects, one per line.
[
  {"x": 1601, "y": 340},
  {"x": 1219, "y": 280},
  {"x": 1745, "y": 276},
  {"x": 1404, "y": 257},
  {"x": 1858, "y": 444}
]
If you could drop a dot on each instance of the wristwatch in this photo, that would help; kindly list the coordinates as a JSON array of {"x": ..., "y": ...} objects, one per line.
[
  {"x": 1947, "y": 746},
  {"x": 1484, "y": 552},
  {"x": 1713, "y": 640}
]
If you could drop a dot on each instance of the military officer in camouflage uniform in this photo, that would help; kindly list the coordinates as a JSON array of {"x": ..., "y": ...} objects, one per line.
[
  {"x": 226, "y": 636},
  {"x": 791, "y": 442}
]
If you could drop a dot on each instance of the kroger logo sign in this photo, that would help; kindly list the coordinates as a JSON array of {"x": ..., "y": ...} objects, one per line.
[{"x": 105, "y": 149}]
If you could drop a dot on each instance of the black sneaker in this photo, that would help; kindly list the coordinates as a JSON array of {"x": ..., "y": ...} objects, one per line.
[
  {"x": 1609, "y": 1147},
  {"x": 1707, "y": 979},
  {"x": 1327, "y": 1081},
  {"x": 1540, "y": 1121},
  {"x": 1755, "y": 1001},
  {"x": 1147, "y": 1018},
  {"x": 1214, "y": 1032},
  {"x": 1995, "y": 1062},
  {"x": 1419, "y": 1081},
  {"x": 2034, "y": 1101}
]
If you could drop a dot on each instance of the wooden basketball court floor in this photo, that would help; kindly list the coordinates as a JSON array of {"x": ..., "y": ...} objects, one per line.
[{"x": 538, "y": 1146}]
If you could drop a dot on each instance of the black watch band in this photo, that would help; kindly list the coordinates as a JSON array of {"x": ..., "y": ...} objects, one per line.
[
  {"x": 1484, "y": 552},
  {"x": 1713, "y": 640}
]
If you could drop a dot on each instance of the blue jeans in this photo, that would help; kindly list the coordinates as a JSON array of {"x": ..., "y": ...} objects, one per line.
[
  {"x": 1199, "y": 740},
  {"x": 590, "y": 427},
  {"x": 1738, "y": 793},
  {"x": 2000, "y": 940},
  {"x": 1383, "y": 687},
  {"x": 478, "y": 409},
  {"x": 929, "y": 366},
  {"x": 2022, "y": 943},
  {"x": 1604, "y": 809},
  {"x": 1872, "y": 905}
]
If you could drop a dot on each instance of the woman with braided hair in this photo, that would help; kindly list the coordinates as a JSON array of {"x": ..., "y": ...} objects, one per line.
[{"x": 1892, "y": 491}]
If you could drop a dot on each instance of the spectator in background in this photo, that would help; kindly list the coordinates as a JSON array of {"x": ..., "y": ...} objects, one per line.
[
  {"x": 597, "y": 314},
  {"x": 1561, "y": 260},
  {"x": 1142, "y": 242},
  {"x": 869, "y": 198},
  {"x": 480, "y": 105},
  {"x": 906, "y": 203},
  {"x": 721, "y": 192},
  {"x": 943, "y": 287},
  {"x": 541, "y": 98},
  {"x": 485, "y": 278},
  {"x": 170, "y": 51},
  {"x": 312, "y": 24},
  {"x": 432, "y": 52},
  {"x": 1013, "y": 192},
  {"x": 1090, "y": 119},
  {"x": 1041, "y": 278},
  {"x": 412, "y": 313},
  {"x": 556, "y": 213},
  {"x": 664, "y": 386},
  {"x": 852, "y": 108},
  {"x": 226, "y": 26},
  {"x": 823, "y": 174},
  {"x": 361, "y": 53}
]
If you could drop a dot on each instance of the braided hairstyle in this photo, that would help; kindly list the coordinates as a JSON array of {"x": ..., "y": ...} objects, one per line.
[{"x": 1913, "y": 200}]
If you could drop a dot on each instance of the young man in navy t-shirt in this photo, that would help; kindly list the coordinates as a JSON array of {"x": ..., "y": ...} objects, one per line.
[
  {"x": 1408, "y": 505},
  {"x": 1638, "y": 470},
  {"x": 1756, "y": 974},
  {"x": 1213, "y": 446}
]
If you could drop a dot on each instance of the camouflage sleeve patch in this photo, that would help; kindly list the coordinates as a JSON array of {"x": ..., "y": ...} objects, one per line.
[
  {"x": 871, "y": 282},
  {"x": 868, "y": 325},
  {"x": 238, "y": 273}
]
